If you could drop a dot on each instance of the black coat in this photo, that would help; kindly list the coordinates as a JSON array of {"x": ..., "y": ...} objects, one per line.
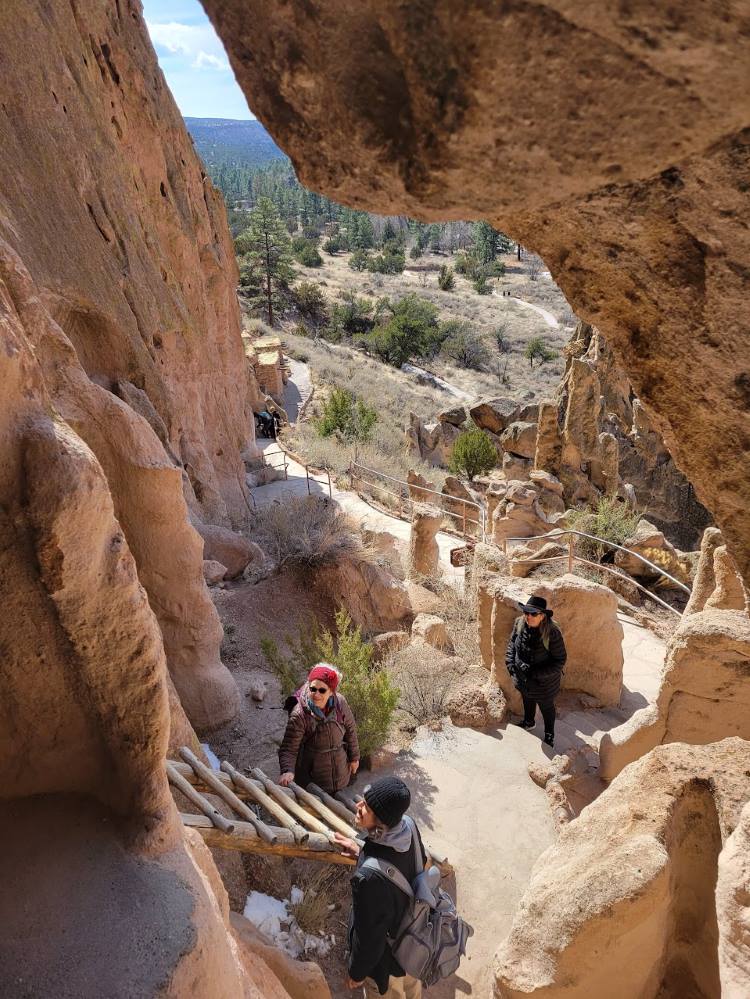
[
  {"x": 535, "y": 670},
  {"x": 377, "y": 910}
]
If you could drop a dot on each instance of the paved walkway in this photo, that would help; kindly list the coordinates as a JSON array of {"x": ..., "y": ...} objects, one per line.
[{"x": 367, "y": 517}]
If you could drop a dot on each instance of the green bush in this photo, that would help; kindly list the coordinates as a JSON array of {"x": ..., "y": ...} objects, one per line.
[
  {"x": 359, "y": 260},
  {"x": 369, "y": 690},
  {"x": 331, "y": 246},
  {"x": 611, "y": 520},
  {"x": 311, "y": 301},
  {"x": 347, "y": 416},
  {"x": 446, "y": 281},
  {"x": 466, "y": 348},
  {"x": 305, "y": 251},
  {"x": 537, "y": 349},
  {"x": 473, "y": 453},
  {"x": 415, "y": 252},
  {"x": 480, "y": 284},
  {"x": 387, "y": 262},
  {"x": 412, "y": 331}
]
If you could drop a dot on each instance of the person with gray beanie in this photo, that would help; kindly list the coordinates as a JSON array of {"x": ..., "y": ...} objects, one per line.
[{"x": 378, "y": 906}]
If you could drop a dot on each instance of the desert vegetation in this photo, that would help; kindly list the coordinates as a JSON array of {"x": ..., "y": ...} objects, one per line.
[{"x": 371, "y": 694}]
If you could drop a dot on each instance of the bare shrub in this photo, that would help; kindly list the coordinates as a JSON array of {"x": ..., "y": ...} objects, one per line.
[
  {"x": 307, "y": 532},
  {"x": 423, "y": 686}
]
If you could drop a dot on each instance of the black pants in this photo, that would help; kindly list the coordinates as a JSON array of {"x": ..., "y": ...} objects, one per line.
[{"x": 547, "y": 709}]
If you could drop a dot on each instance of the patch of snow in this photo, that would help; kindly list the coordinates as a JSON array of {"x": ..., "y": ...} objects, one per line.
[
  {"x": 272, "y": 918},
  {"x": 211, "y": 756}
]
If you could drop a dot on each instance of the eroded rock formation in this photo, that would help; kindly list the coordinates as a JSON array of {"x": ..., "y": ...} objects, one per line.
[
  {"x": 661, "y": 926},
  {"x": 123, "y": 412},
  {"x": 632, "y": 184}
]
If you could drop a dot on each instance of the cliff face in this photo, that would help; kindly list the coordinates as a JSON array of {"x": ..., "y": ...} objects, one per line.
[
  {"x": 123, "y": 413},
  {"x": 123, "y": 235},
  {"x": 610, "y": 138},
  {"x": 119, "y": 279}
]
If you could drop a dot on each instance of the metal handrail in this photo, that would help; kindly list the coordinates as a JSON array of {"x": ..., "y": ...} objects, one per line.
[
  {"x": 480, "y": 521},
  {"x": 607, "y": 568},
  {"x": 561, "y": 531}
]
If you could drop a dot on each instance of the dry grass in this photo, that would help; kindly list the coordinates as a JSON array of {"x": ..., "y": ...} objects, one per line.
[
  {"x": 423, "y": 685},
  {"x": 307, "y": 532},
  {"x": 317, "y": 883},
  {"x": 485, "y": 312}
]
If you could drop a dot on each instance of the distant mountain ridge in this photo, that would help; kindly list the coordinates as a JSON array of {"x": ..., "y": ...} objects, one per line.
[{"x": 229, "y": 142}]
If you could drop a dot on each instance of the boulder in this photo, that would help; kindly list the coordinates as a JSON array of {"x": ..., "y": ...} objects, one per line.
[
  {"x": 515, "y": 467},
  {"x": 231, "y": 549},
  {"x": 418, "y": 486},
  {"x": 386, "y": 550},
  {"x": 388, "y": 643},
  {"x": 519, "y": 439},
  {"x": 213, "y": 572},
  {"x": 474, "y": 701},
  {"x": 512, "y": 520},
  {"x": 520, "y": 567},
  {"x": 374, "y": 599},
  {"x": 703, "y": 696},
  {"x": 494, "y": 415},
  {"x": 704, "y": 581},
  {"x": 422, "y": 600},
  {"x": 456, "y": 415},
  {"x": 546, "y": 481},
  {"x": 431, "y": 629},
  {"x": 608, "y": 907},
  {"x": 520, "y": 493}
]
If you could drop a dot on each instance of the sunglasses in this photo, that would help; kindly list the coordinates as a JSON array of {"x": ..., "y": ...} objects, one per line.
[
  {"x": 319, "y": 690},
  {"x": 532, "y": 613}
]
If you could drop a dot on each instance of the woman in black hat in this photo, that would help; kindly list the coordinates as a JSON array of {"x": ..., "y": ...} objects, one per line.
[{"x": 535, "y": 658}]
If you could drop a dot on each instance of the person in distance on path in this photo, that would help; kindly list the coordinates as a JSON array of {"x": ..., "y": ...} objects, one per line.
[
  {"x": 535, "y": 658},
  {"x": 378, "y": 906}
]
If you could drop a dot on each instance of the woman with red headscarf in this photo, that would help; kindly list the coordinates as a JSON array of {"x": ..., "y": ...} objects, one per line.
[{"x": 320, "y": 743}]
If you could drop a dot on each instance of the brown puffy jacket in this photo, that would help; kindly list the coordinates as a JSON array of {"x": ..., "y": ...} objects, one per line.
[{"x": 319, "y": 751}]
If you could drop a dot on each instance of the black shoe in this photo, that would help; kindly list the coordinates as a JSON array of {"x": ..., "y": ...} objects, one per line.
[
  {"x": 524, "y": 724},
  {"x": 549, "y": 738}
]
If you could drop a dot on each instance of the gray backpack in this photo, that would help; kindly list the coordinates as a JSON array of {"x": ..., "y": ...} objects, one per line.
[{"x": 431, "y": 939}]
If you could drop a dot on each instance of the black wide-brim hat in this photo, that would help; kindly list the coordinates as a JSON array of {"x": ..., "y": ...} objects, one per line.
[{"x": 535, "y": 605}]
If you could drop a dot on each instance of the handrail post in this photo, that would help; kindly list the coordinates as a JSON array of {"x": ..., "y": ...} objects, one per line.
[
  {"x": 570, "y": 553},
  {"x": 307, "y": 477},
  {"x": 505, "y": 546},
  {"x": 464, "y": 520},
  {"x": 330, "y": 491}
]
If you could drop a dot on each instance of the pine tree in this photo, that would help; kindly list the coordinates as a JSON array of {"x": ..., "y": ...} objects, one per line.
[
  {"x": 485, "y": 242},
  {"x": 266, "y": 248}
]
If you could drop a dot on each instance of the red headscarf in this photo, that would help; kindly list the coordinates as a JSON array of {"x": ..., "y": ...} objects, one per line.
[{"x": 326, "y": 673}]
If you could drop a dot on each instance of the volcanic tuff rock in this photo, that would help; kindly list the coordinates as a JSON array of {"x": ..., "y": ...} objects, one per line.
[
  {"x": 632, "y": 183},
  {"x": 123, "y": 410},
  {"x": 662, "y": 926}
]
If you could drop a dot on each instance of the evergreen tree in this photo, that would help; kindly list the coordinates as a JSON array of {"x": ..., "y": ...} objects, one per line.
[
  {"x": 485, "y": 242},
  {"x": 265, "y": 247}
]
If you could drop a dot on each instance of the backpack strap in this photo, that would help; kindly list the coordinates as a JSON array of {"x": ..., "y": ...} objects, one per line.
[
  {"x": 388, "y": 871},
  {"x": 416, "y": 852}
]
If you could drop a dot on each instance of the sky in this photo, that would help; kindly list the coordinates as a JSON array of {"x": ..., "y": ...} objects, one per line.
[{"x": 193, "y": 60}]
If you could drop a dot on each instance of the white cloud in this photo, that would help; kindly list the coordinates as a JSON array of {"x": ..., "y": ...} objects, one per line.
[{"x": 199, "y": 43}]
